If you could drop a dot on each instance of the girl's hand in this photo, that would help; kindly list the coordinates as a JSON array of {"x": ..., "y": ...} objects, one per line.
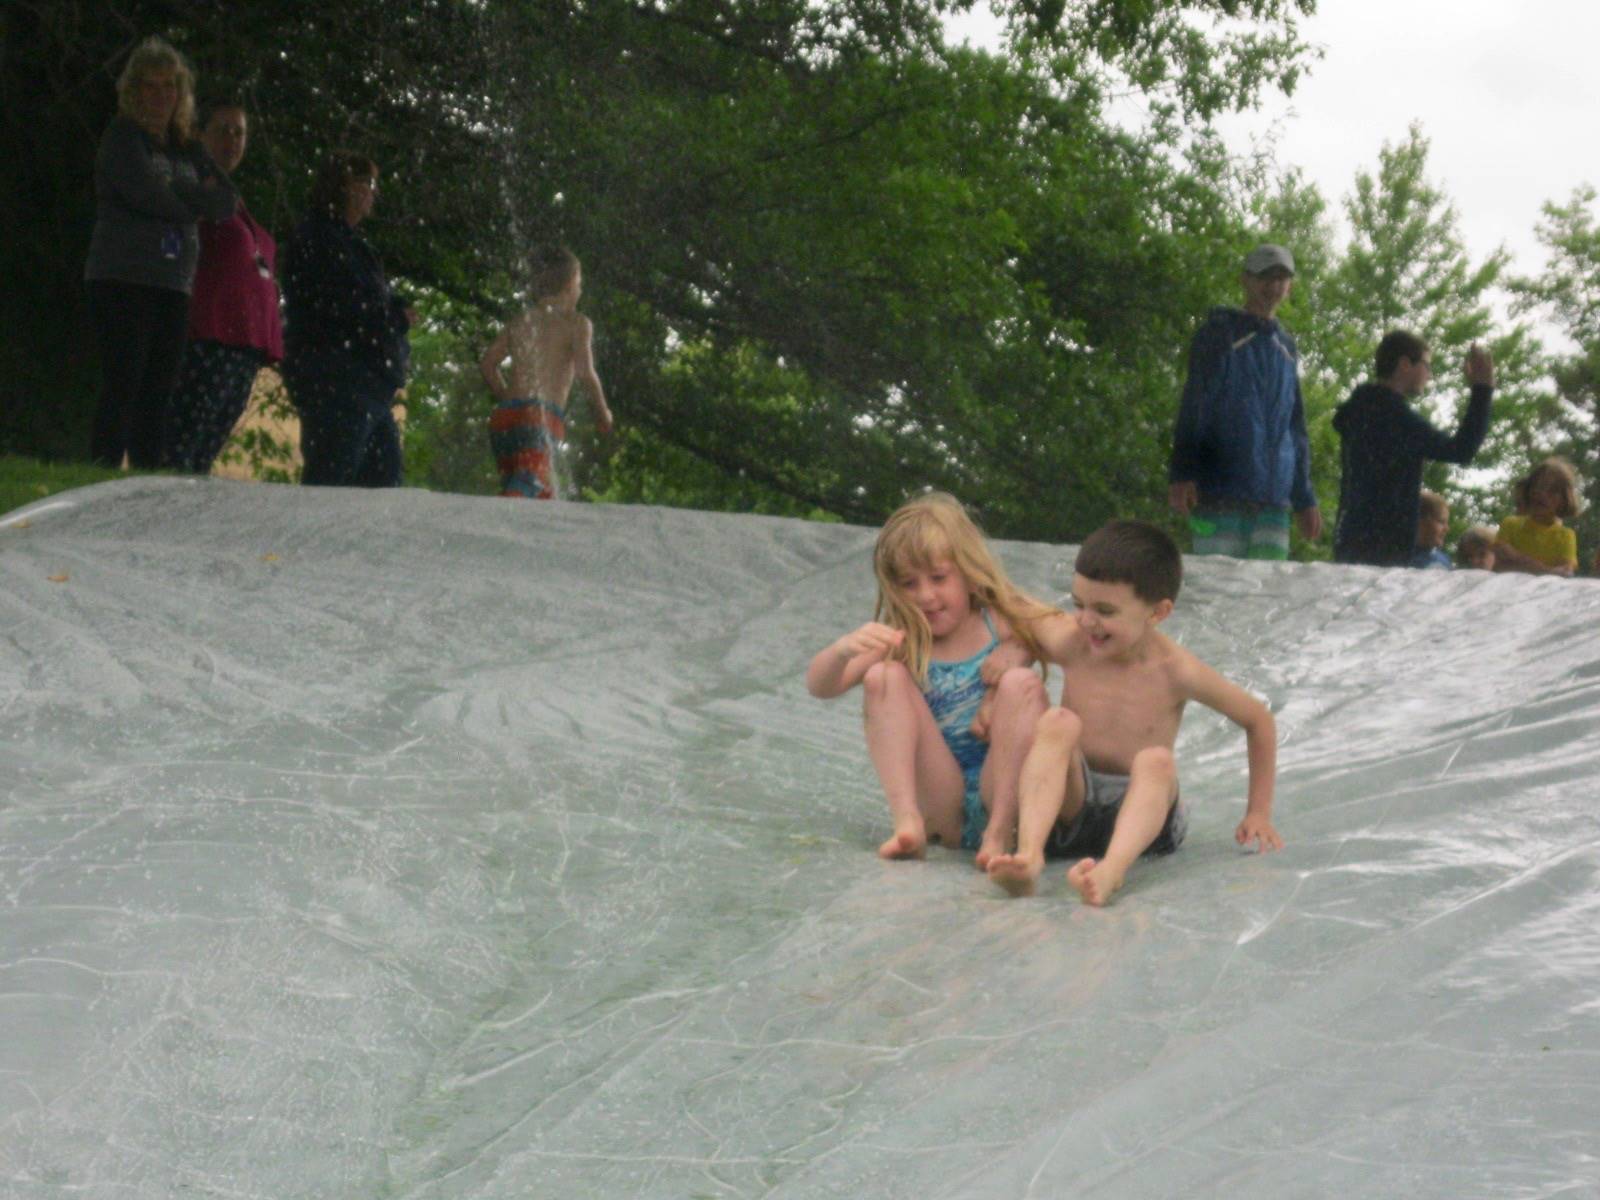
[
  {"x": 839, "y": 667},
  {"x": 872, "y": 639}
]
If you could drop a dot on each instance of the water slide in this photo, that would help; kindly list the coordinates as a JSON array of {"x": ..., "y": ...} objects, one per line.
[{"x": 398, "y": 845}]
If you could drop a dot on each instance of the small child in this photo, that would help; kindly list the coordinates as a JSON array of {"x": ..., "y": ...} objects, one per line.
[
  {"x": 549, "y": 345},
  {"x": 944, "y": 603},
  {"x": 1100, "y": 784},
  {"x": 1433, "y": 522},
  {"x": 1533, "y": 539},
  {"x": 1476, "y": 549}
]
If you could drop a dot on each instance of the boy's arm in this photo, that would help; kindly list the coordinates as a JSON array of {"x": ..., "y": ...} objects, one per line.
[
  {"x": 839, "y": 667},
  {"x": 1009, "y": 653},
  {"x": 1202, "y": 683},
  {"x": 1054, "y": 633},
  {"x": 489, "y": 364},
  {"x": 583, "y": 364}
]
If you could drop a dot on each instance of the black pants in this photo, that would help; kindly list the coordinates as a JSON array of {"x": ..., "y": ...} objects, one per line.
[
  {"x": 348, "y": 435},
  {"x": 211, "y": 395},
  {"x": 140, "y": 332}
]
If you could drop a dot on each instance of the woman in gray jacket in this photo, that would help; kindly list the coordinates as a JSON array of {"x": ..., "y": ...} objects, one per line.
[{"x": 153, "y": 180}]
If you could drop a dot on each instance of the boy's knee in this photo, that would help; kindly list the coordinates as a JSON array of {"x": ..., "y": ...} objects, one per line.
[
  {"x": 1059, "y": 725},
  {"x": 1156, "y": 761}
]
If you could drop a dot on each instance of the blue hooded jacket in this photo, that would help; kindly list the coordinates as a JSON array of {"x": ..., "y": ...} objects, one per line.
[{"x": 1241, "y": 432}]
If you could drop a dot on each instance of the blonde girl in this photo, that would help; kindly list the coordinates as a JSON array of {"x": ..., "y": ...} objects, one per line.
[
  {"x": 1534, "y": 539},
  {"x": 944, "y": 604}
]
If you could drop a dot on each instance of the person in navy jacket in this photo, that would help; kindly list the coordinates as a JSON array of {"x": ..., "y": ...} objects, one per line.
[
  {"x": 1384, "y": 442},
  {"x": 345, "y": 338},
  {"x": 1241, "y": 460}
]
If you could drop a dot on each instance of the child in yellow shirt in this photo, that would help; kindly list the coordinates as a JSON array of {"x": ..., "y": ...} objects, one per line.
[{"x": 1533, "y": 539}]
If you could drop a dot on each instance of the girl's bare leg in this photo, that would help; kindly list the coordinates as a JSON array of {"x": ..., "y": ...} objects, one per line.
[
  {"x": 920, "y": 778},
  {"x": 1051, "y": 790},
  {"x": 1152, "y": 785},
  {"x": 1019, "y": 702}
]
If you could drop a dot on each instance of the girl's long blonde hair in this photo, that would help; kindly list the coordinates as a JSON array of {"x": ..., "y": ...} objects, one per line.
[{"x": 935, "y": 528}]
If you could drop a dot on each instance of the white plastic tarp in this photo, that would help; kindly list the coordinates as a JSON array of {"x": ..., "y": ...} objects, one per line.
[{"x": 388, "y": 844}]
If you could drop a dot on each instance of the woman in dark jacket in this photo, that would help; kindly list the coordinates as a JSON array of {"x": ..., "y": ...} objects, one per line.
[
  {"x": 152, "y": 181},
  {"x": 345, "y": 347}
]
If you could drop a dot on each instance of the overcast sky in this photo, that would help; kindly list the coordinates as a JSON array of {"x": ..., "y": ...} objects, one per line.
[{"x": 1508, "y": 95}]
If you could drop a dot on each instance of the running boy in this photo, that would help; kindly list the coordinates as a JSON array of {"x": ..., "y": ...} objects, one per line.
[
  {"x": 549, "y": 346},
  {"x": 1100, "y": 784}
]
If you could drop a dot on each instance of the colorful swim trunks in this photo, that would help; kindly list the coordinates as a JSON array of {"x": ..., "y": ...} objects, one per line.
[{"x": 524, "y": 435}]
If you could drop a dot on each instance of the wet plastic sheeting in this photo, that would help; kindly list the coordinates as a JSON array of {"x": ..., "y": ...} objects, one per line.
[{"x": 399, "y": 845}]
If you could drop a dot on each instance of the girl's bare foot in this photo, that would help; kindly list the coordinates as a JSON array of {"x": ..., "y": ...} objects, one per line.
[
  {"x": 989, "y": 849},
  {"x": 906, "y": 843},
  {"x": 1015, "y": 873},
  {"x": 1095, "y": 881}
]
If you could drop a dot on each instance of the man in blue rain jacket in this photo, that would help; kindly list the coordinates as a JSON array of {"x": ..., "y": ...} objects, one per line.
[{"x": 1240, "y": 458}]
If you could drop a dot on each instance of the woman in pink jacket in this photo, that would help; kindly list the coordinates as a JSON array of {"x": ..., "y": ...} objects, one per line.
[{"x": 234, "y": 326}]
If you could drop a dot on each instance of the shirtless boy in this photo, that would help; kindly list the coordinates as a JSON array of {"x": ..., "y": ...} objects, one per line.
[
  {"x": 549, "y": 346},
  {"x": 1100, "y": 784}
]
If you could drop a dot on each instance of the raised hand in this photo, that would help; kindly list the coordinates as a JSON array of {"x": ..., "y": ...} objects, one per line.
[{"x": 1480, "y": 366}]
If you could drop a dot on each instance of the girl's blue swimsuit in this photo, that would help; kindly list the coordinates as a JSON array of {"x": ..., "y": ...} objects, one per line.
[{"x": 953, "y": 693}]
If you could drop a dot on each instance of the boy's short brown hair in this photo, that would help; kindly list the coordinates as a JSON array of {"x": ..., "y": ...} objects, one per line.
[
  {"x": 1397, "y": 344},
  {"x": 550, "y": 269},
  {"x": 1136, "y": 553},
  {"x": 1431, "y": 504}
]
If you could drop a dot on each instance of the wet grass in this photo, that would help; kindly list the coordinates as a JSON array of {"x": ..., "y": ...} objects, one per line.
[{"x": 24, "y": 480}]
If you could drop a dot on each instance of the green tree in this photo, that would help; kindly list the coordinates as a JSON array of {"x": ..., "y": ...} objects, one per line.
[
  {"x": 1568, "y": 292},
  {"x": 830, "y": 258},
  {"x": 1404, "y": 266}
]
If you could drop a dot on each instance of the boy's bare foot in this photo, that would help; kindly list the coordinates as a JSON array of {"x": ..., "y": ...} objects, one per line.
[
  {"x": 906, "y": 843},
  {"x": 1096, "y": 883},
  {"x": 1015, "y": 873}
]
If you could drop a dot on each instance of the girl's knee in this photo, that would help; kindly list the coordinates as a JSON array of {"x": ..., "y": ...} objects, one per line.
[
  {"x": 884, "y": 678},
  {"x": 1058, "y": 724},
  {"x": 1020, "y": 686}
]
